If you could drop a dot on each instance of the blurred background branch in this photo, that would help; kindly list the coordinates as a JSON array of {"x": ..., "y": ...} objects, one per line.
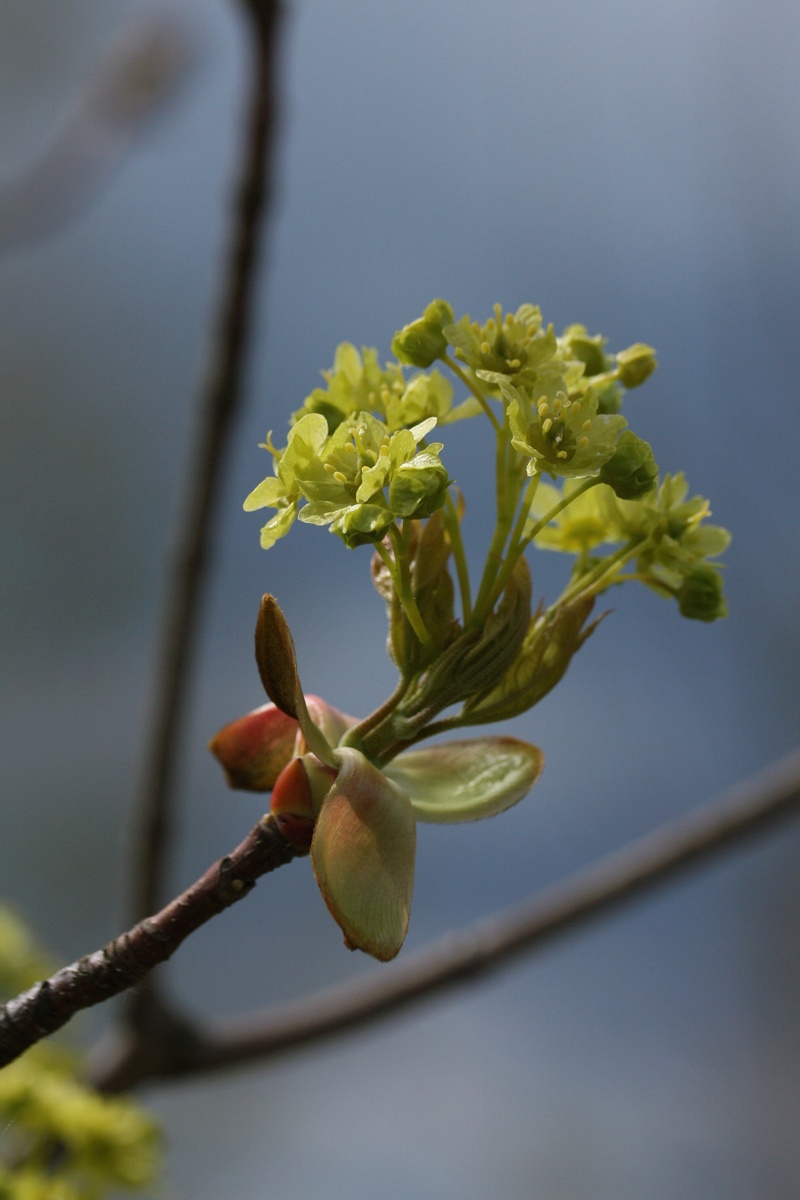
[{"x": 132, "y": 87}]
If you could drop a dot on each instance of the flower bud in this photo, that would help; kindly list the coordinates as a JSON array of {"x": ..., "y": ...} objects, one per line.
[
  {"x": 700, "y": 595},
  {"x": 588, "y": 350},
  {"x": 631, "y": 471},
  {"x": 635, "y": 364},
  {"x": 422, "y": 342},
  {"x": 254, "y": 749}
]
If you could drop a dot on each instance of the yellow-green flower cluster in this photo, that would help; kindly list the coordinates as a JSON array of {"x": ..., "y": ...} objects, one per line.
[
  {"x": 359, "y": 480},
  {"x": 356, "y": 458},
  {"x": 61, "y": 1139},
  {"x": 669, "y": 539},
  {"x": 357, "y": 383}
]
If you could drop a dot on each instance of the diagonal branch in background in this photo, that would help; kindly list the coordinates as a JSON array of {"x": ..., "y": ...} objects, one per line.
[
  {"x": 133, "y": 85},
  {"x": 221, "y": 401},
  {"x": 479, "y": 949}
]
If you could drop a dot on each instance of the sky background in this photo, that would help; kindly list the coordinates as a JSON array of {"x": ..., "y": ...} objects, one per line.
[{"x": 632, "y": 167}]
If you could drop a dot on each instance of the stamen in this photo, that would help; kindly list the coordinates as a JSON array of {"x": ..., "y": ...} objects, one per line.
[
  {"x": 586, "y": 426},
  {"x": 513, "y": 363},
  {"x": 339, "y": 476},
  {"x": 547, "y": 425},
  {"x": 485, "y": 348},
  {"x": 561, "y": 454},
  {"x": 583, "y": 442}
]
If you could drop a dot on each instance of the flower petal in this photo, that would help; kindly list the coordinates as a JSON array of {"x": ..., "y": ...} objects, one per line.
[
  {"x": 462, "y": 781},
  {"x": 363, "y": 856}
]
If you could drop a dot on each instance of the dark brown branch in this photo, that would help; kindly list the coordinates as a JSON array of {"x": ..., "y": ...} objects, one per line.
[
  {"x": 220, "y": 404},
  {"x": 124, "y": 962},
  {"x": 482, "y": 948}
]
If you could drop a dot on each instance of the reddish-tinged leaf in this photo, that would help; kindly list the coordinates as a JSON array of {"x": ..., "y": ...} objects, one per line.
[{"x": 363, "y": 856}]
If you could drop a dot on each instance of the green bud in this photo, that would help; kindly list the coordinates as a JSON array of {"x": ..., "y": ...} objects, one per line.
[
  {"x": 631, "y": 472},
  {"x": 700, "y": 595},
  {"x": 635, "y": 364},
  {"x": 422, "y": 342},
  {"x": 362, "y": 524},
  {"x": 588, "y": 350},
  {"x": 418, "y": 488}
]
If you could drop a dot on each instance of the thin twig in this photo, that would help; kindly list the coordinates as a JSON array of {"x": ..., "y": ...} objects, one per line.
[
  {"x": 220, "y": 404},
  {"x": 125, "y": 962},
  {"x": 483, "y": 947}
]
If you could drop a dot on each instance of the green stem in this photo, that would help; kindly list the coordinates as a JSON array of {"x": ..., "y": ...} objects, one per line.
[
  {"x": 563, "y": 503},
  {"x": 595, "y": 580},
  {"x": 453, "y": 527},
  {"x": 516, "y": 546},
  {"x": 507, "y": 493},
  {"x": 355, "y": 736},
  {"x": 473, "y": 387},
  {"x": 402, "y": 583}
]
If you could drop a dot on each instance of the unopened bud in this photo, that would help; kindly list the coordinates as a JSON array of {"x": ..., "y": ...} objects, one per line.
[
  {"x": 587, "y": 349},
  {"x": 635, "y": 364},
  {"x": 700, "y": 595},
  {"x": 631, "y": 471},
  {"x": 422, "y": 342}
]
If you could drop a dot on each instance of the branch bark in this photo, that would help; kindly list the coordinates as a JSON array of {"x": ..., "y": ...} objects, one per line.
[
  {"x": 480, "y": 949},
  {"x": 127, "y": 960}
]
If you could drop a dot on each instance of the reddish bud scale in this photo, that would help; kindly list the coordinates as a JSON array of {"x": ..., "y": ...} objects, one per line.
[
  {"x": 298, "y": 831},
  {"x": 291, "y": 794}
]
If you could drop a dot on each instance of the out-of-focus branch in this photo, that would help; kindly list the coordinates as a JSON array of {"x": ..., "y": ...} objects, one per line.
[
  {"x": 126, "y": 961},
  {"x": 482, "y": 948},
  {"x": 133, "y": 85},
  {"x": 220, "y": 404}
]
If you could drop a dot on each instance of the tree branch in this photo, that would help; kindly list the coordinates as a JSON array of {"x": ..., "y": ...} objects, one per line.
[
  {"x": 126, "y": 961},
  {"x": 482, "y": 948},
  {"x": 476, "y": 950},
  {"x": 221, "y": 400}
]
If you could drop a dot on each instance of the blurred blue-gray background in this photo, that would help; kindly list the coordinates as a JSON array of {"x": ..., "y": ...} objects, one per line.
[{"x": 633, "y": 167}]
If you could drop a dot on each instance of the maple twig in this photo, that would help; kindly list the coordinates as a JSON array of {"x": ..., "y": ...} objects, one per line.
[
  {"x": 481, "y": 948},
  {"x": 128, "y": 959}
]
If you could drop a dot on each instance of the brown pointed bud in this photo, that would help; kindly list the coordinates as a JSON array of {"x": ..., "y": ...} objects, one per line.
[
  {"x": 277, "y": 666},
  {"x": 276, "y": 658}
]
